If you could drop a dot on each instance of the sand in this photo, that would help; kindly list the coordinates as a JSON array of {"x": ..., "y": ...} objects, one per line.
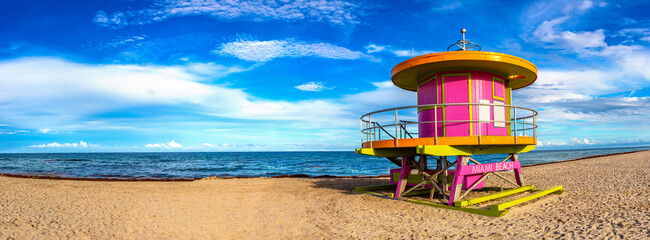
[{"x": 606, "y": 198}]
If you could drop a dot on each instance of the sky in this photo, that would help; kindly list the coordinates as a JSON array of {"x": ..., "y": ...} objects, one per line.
[{"x": 236, "y": 75}]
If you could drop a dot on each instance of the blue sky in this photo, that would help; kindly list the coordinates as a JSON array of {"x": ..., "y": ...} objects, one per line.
[{"x": 80, "y": 76}]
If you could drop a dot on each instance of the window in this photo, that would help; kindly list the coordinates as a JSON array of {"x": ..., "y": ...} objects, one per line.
[{"x": 499, "y": 115}]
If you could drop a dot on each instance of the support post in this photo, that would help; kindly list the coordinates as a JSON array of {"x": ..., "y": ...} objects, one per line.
[
  {"x": 403, "y": 177},
  {"x": 518, "y": 175},
  {"x": 457, "y": 184},
  {"x": 445, "y": 175},
  {"x": 396, "y": 126},
  {"x": 435, "y": 127}
]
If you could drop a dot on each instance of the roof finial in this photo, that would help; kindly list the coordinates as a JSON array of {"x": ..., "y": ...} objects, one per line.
[{"x": 463, "y": 44}]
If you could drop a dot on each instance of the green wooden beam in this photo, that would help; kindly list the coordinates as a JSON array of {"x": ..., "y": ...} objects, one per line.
[
  {"x": 386, "y": 152},
  {"x": 502, "y": 206},
  {"x": 468, "y": 150},
  {"x": 370, "y": 188},
  {"x": 418, "y": 192},
  {"x": 493, "y": 196},
  {"x": 479, "y": 211}
]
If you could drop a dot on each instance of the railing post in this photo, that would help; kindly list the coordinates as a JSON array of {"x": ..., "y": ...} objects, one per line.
[
  {"x": 515, "y": 120},
  {"x": 396, "y": 134},
  {"x": 361, "y": 125},
  {"x": 524, "y": 126},
  {"x": 535, "y": 126},
  {"x": 371, "y": 129},
  {"x": 435, "y": 125}
]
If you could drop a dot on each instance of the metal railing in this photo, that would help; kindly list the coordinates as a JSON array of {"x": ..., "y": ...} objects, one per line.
[{"x": 371, "y": 130}]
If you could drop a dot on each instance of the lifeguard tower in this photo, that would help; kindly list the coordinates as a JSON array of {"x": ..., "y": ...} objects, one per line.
[{"x": 464, "y": 108}]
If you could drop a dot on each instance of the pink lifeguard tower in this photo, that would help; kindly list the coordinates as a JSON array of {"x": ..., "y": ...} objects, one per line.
[{"x": 464, "y": 108}]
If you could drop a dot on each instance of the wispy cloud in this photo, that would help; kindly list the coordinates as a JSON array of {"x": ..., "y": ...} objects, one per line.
[
  {"x": 548, "y": 34},
  {"x": 312, "y": 87},
  {"x": 330, "y": 11},
  {"x": 115, "y": 20},
  {"x": 81, "y": 144},
  {"x": 571, "y": 142},
  {"x": 263, "y": 51},
  {"x": 45, "y": 130},
  {"x": 446, "y": 5},
  {"x": 13, "y": 132},
  {"x": 172, "y": 144},
  {"x": 374, "y": 48}
]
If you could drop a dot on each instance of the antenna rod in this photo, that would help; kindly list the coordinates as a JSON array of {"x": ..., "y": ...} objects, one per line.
[{"x": 463, "y": 31}]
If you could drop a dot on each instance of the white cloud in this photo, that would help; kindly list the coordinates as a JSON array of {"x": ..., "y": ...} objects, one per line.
[
  {"x": 312, "y": 87},
  {"x": 573, "y": 142},
  {"x": 263, "y": 51},
  {"x": 14, "y": 132},
  {"x": 68, "y": 96},
  {"x": 585, "y": 5},
  {"x": 373, "y": 48},
  {"x": 44, "y": 130},
  {"x": 447, "y": 5},
  {"x": 548, "y": 33},
  {"x": 116, "y": 20},
  {"x": 81, "y": 144},
  {"x": 208, "y": 145},
  {"x": 330, "y": 11},
  {"x": 172, "y": 144},
  {"x": 632, "y": 32}
]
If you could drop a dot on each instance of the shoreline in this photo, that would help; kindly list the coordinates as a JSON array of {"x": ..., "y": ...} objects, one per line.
[{"x": 135, "y": 179}]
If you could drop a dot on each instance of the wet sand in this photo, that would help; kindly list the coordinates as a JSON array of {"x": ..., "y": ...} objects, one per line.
[{"x": 607, "y": 197}]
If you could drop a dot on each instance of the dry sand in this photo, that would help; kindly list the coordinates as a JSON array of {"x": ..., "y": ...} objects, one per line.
[{"x": 606, "y": 198}]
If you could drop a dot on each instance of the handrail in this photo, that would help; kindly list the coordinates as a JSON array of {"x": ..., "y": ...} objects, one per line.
[
  {"x": 382, "y": 128},
  {"x": 447, "y": 104},
  {"x": 368, "y": 134}
]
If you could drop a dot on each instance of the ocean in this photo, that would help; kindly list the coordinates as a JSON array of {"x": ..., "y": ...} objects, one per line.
[{"x": 192, "y": 165}]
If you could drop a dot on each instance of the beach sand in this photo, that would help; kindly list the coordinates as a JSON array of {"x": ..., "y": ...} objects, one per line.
[{"x": 606, "y": 197}]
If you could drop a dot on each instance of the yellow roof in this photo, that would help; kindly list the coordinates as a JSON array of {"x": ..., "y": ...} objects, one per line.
[{"x": 520, "y": 72}]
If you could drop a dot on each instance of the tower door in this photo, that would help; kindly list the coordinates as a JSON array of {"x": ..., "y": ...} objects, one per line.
[{"x": 456, "y": 89}]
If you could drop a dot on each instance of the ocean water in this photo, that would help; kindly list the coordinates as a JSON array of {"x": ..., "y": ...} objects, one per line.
[{"x": 236, "y": 164}]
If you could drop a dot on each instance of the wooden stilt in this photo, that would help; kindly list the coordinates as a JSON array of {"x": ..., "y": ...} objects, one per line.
[
  {"x": 445, "y": 175},
  {"x": 403, "y": 177},
  {"x": 518, "y": 175},
  {"x": 457, "y": 184},
  {"x": 424, "y": 162}
]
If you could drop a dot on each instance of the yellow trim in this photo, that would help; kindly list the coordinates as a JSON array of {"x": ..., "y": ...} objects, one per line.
[
  {"x": 508, "y": 102},
  {"x": 386, "y": 152},
  {"x": 494, "y": 95},
  {"x": 468, "y": 150},
  {"x": 430, "y": 77},
  {"x": 471, "y": 114},
  {"x": 469, "y": 85},
  {"x": 473, "y": 140}
]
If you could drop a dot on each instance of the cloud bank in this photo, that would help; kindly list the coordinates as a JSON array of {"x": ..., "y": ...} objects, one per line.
[
  {"x": 328, "y": 11},
  {"x": 264, "y": 51}
]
